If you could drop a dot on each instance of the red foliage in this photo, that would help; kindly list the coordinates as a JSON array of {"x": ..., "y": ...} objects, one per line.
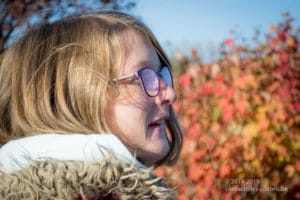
[
  {"x": 229, "y": 42},
  {"x": 241, "y": 118}
]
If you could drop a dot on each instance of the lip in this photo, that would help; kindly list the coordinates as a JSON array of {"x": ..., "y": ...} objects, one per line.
[{"x": 159, "y": 119}]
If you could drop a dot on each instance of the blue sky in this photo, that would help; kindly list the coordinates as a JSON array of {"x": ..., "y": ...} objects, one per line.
[{"x": 203, "y": 24}]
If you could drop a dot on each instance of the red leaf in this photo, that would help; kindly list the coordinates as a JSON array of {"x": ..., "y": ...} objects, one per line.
[
  {"x": 296, "y": 106},
  {"x": 194, "y": 131},
  {"x": 185, "y": 80},
  {"x": 229, "y": 42},
  {"x": 194, "y": 173},
  {"x": 284, "y": 92},
  {"x": 297, "y": 165},
  {"x": 194, "y": 53},
  {"x": 160, "y": 171},
  {"x": 218, "y": 90},
  {"x": 197, "y": 155},
  {"x": 229, "y": 93},
  {"x": 224, "y": 170},
  {"x": 284, "y": 58},
  {"x": 262, "y": 149},
  {"x": 206, "y": 89},
  {"x": 281, "y": 150}
]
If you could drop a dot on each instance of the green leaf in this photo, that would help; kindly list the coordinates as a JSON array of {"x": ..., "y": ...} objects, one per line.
[{"x": 216, "y": 113}]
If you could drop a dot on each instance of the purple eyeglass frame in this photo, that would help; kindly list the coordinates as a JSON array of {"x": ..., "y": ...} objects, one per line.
[{"x": 137, "y": 75}]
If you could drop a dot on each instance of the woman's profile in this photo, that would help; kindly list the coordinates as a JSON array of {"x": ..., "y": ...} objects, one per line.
[{"x": 85, "y": 109}]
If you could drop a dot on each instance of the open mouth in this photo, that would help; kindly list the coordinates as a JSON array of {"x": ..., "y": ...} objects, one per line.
[
  {"x": 155, "y": 124},
  {"x": 158, "y": 122}
]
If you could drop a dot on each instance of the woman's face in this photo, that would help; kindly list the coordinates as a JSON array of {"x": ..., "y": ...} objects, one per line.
[{"x": 138, "y": 118}]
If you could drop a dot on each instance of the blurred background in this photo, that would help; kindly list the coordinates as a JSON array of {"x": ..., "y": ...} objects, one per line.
[
  {"x": 203, "y": 25},
  {"x": 237, "y": 71}
]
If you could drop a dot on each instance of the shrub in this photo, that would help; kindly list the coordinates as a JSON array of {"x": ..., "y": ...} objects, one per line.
[{"x": 241, "y": 118}]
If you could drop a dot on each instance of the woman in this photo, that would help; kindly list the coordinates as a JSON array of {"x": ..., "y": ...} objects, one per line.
[{"x": 87, "y": 98}]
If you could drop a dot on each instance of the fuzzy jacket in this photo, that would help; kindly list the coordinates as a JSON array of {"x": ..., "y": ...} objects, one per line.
[{"x": 77, "y": 166}]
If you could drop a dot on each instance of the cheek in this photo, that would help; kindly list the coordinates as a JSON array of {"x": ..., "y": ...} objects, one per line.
[
  {"x": 129, "y": 123},
  {"x": 134, "y": 98},
  {"x": 131, "y": 112},
  {"x": 127, "y": 114}
]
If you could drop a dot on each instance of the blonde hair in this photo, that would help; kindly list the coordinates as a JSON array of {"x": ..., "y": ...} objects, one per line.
[{"x": 57, "y": 77}]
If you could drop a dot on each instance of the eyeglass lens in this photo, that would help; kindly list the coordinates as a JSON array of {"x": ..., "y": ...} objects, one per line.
[
  {"x": 150, "y": 80},
  {"x": 166, "y": 76}
]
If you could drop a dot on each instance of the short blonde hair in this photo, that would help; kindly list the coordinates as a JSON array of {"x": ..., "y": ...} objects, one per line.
[{"x": 57, "y": 77}]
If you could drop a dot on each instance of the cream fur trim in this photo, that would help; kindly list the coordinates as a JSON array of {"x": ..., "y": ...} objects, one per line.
[{"x": 54, "y": 179}]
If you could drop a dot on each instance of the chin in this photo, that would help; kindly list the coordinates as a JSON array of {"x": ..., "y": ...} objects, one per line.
[
  {"x": 151, "y": 156},
  {"x": 159, "y": 153}
]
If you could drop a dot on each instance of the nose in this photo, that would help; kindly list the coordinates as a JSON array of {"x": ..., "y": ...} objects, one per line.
[{"x": 167, "y": 94}]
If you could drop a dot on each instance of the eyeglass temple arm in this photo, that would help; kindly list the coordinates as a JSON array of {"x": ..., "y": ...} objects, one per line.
[{"x": 121, "y": 78}]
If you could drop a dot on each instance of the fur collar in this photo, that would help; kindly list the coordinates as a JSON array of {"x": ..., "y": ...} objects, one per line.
[
  {"x": 76, "y": 166},
  {"x": 106, "y": 179}
]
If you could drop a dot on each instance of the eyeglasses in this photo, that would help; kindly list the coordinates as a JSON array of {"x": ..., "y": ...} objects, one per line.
[{"x": 149, "y": 79}]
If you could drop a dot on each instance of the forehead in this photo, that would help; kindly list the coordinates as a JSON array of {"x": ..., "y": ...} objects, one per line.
[{"x": 139, "y": 52}]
